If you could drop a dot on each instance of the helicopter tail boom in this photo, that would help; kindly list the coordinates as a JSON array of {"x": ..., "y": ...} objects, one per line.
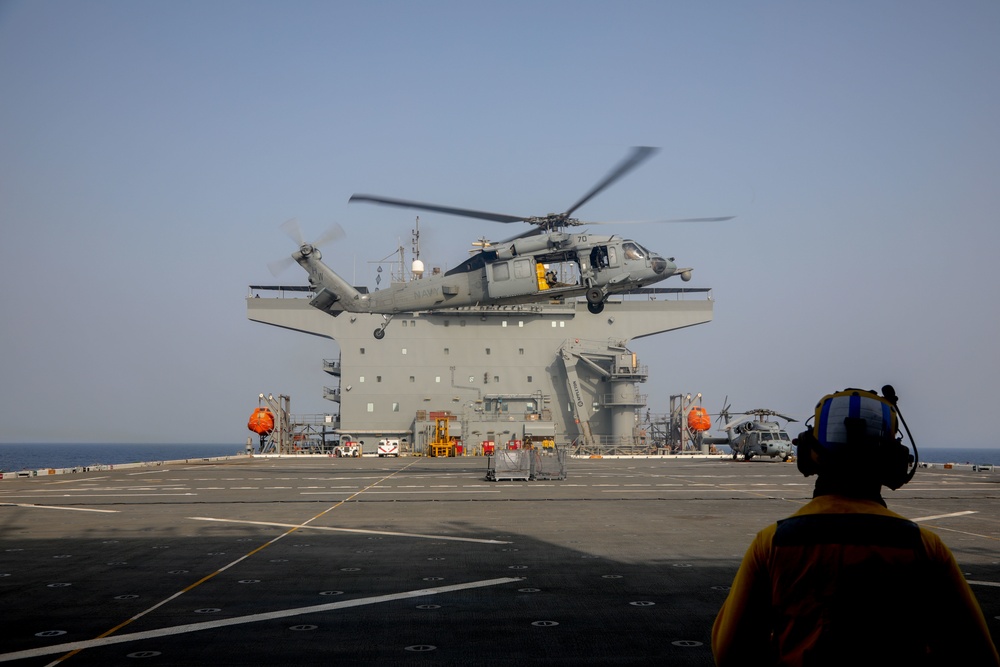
[{"x": 333, "y": 293}]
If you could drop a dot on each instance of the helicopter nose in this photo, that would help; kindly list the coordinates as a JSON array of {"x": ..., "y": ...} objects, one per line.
[{"x": 661, "y": 265}]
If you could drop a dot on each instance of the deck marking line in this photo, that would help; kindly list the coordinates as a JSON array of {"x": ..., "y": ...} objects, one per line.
[
  {"x": 350, "y": 530},
  {"x": 983, "y": 583},
  {"x": 88, "y": 480},
  {"x": 327, "y": 493},
  {"x": 944, "y": 516},
  {"x": 63, "y": 494},
  {"x": 251, "y": 618},
  {"x": 222, "y": 569},
  {"x": 57, "y": 507}
]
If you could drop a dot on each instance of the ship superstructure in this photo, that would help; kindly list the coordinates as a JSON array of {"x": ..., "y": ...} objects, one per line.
[{"x": 502, "y": 374}]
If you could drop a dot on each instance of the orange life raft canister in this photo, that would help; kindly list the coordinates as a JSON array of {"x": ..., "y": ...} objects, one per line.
[
  {"x": 698, "y": 419},
  {"x": 261, "y": 421}
]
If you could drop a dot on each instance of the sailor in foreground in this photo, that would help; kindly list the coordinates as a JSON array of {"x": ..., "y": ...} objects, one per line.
[{"x": 846, "y": 581}]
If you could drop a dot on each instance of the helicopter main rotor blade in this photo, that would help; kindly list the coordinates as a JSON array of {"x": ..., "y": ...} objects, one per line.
[
  {"x": 638, "y": 156},
  {"x": 534, "y": 231},
  {"x": 463, "y": 212},
  {"x": 658, "y": 222}
]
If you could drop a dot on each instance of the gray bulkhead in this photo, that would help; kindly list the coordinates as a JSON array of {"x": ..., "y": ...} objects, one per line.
[{"x": 462, "y": 360}]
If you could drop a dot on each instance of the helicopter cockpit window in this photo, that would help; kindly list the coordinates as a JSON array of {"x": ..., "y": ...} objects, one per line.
[
  {"x": 633, "y": 250},
  {"x": 783, "y": 435}
]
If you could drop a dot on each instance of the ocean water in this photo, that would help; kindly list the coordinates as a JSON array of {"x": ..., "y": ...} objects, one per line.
[
  {"x": 983, "y": 455},
  {"x": 14, "y": 457}
]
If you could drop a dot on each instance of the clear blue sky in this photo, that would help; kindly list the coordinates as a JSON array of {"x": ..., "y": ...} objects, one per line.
[{"x": 149, "y": 152}]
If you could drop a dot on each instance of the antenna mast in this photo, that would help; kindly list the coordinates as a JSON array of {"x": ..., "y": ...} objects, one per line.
[{"x": 417, "y": 268}]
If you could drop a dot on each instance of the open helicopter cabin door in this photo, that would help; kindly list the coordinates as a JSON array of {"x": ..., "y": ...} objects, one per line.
[{"x": 513, "y": 277}]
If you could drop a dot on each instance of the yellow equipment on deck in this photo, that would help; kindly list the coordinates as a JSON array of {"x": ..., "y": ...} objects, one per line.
[{"x": 442, "y": 444}]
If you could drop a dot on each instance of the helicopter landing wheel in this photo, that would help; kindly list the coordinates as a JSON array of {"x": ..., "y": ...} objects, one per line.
[
  {"x": 379, "y": 334},
  {"x": 595, "y": 295},
  {"x": 595, "y": 308}
]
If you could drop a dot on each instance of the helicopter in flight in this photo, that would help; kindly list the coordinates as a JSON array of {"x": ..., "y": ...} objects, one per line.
[
  {"x": 752, "y": 435},
  {"x": 543, "y": 263}
]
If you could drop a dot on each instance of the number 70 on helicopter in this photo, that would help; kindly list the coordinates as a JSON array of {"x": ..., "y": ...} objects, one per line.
[{"x": 543, "y": 263}]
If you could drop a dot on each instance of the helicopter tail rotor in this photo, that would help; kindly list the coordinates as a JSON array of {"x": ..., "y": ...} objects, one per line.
[
  {"x": 294, "y": 232},
  {"x": 724, "y": 412},
  {"x": 279, "y": 266}
]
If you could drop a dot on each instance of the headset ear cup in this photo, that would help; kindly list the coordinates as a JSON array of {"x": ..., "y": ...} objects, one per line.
[
  {"x": 805, "y": 456},
  {"x": 895, "y": 462}
]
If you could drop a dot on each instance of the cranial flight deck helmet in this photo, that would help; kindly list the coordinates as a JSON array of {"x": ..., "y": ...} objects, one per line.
[{"x": 855, "y": 432}]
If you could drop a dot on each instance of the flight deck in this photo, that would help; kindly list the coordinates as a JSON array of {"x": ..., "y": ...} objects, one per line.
[{"x": 422, "y": 561}]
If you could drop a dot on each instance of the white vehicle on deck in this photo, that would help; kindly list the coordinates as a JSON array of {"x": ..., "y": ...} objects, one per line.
[
  {"x": 349, "y": 448},
  {"x": 388, "y": 447}
]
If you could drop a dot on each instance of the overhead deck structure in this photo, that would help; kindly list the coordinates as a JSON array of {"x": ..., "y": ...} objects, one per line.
[{"x": 509, "y": 374}]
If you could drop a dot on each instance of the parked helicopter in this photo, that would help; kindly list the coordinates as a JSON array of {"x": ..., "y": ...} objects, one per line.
[
  {"x": 751, "y": 435},
  {"x": 546, "y": 262}
]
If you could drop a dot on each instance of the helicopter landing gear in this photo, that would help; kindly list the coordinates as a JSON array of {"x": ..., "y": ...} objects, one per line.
[
  {"x": 595, "y": 299},
  {"x": 380, "y": 332}
]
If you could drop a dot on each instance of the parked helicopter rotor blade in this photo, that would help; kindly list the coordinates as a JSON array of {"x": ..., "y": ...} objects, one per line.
[
  {"x": 638, "y": 155},
  {"x": 766, "y": 412},
  {"x": 449, "y": 210}
]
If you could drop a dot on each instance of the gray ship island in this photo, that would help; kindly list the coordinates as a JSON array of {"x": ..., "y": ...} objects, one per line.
[{"x": 518, "y": 373}]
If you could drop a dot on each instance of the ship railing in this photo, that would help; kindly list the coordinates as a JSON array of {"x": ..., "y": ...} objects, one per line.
[
  {"x": 663, "y": 294},
  {"x": 607, "y": 445},
  {"x": 280, "y": 291},
  {"x": 501, "y": 417},
  {"x": 611, "y": 400}
]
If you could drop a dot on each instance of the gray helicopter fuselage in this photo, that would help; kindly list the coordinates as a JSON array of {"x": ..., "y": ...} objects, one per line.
[
  {"x": 760, "y": 439},
  {"x": 544, "y": 264},
  {"x": 536, "y": 268}
]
